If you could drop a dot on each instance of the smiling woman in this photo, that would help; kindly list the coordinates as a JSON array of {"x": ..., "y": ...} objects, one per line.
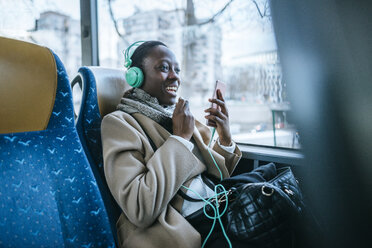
[
  {"x": 152, "y": 145},
  {"x": 155, "y": 143},
  {"x": 230, "y": 41},
  {"x": 162, "y": 71}
]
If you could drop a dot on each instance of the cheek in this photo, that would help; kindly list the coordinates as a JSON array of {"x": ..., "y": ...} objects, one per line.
[
  {"x": 155, "y": 84},
  {"x": 157, "y": 88},
  {"x": 164, "y": 76}
]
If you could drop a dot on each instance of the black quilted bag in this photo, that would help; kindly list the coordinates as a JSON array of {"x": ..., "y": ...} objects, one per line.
[
  {"x": 258, "y": 214},
  {"x": 263, "y": 214}
]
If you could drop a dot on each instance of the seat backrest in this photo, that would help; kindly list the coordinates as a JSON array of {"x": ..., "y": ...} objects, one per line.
[
  {"x": 102, "y": 89},
  {"x": 48, "y": 194}
]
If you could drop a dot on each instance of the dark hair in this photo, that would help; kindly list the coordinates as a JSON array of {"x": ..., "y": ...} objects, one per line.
[{"x": 142, "y": 51}]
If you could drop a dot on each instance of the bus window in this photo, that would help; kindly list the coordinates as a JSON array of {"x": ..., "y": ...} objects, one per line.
[
  {"x": 54, "y": 24},
  {"x": 231, "y": 41}
]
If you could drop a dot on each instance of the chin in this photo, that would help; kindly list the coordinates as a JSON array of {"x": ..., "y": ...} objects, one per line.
[{"x": 169, "y": 102}]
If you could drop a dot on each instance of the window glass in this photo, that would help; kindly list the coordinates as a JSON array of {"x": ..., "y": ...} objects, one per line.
[
  {"x": 230, "y": 41},
  {"x": 54, "y": 24}
]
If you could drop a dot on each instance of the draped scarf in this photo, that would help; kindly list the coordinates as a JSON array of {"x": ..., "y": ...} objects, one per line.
[{"x": 137, "y": 100}]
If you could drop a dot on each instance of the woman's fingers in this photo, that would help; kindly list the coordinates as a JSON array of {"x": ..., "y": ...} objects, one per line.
[
  {"x": 183, "y": 120},
  {"x": 220, "y": 103},
  {"x": 183, "y": 104},
  {"x": 215, "y": 119},
  {"x": 219, "y": 95},
  {"x": 180, "y": 104},
  {"x": 211, "y": 123},
  {"x": 219, "y": 118},
  {"x": 216, "y": 112},
  {"x": 186, "y": 106}
]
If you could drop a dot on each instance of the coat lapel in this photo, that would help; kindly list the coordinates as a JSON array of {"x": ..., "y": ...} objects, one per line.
[{"x": 152, "y": 129}]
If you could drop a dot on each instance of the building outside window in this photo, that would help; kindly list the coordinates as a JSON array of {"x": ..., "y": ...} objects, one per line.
[
  {"x": 54, "y": 24},
  {"x": 231, "y": 41}
]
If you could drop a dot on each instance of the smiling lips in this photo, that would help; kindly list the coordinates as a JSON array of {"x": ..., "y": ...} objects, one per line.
[{"x": 172, "y": 89}]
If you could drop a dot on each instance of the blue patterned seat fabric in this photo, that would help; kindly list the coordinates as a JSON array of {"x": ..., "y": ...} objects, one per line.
[
  {"x": 48, "y": 194},
  {"x": 89, "y": 119},
  {"x": 88, "y": 125}
]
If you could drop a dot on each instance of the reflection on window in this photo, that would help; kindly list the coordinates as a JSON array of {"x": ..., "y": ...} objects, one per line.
[
  {"x": 54, "y": 24},
  {"x": 232, "y": 41}
]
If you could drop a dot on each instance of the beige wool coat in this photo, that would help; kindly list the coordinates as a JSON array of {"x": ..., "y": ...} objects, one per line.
[{"x": 145, "y": 183}]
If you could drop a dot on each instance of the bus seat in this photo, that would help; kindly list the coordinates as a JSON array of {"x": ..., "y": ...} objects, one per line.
[
  {"x": 48, "y": 194},
  {"x": 101, "y": 91}
]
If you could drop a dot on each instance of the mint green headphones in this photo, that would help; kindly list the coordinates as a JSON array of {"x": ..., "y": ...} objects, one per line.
[{"x": 134, "y": 75}]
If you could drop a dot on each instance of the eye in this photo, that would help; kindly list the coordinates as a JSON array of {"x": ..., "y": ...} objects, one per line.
[
  {"x": 177, "y": 70},
  {"x": 164, "y": 68}
]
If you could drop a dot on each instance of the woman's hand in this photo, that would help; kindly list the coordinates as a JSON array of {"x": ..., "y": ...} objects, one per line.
[
  {"x": 219, "y": 119},
  {"x": 183, "y": 120}
]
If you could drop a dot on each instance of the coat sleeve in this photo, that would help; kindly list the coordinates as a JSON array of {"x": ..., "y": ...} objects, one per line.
[
  {"x": 141, "y": 181},
  {"x": 230, "y": 160}
]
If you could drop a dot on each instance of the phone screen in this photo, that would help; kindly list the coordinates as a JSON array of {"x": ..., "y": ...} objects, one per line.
[{"x": 218, "y": 86}]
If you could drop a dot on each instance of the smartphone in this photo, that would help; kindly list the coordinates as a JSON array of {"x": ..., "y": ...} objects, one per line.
[{"x": 218, "y": 86}]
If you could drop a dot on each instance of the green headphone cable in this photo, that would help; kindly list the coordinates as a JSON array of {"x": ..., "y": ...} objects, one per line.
[
  {"x": 213, "y": 132},
  {"x": 217, "y": 214}
]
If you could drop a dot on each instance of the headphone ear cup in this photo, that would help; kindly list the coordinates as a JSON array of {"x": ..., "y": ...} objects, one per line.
[{"x": 134, "y": 77}]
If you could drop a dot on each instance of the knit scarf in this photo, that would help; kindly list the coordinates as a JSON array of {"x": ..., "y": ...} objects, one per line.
[{"x": 137, "y": 100}]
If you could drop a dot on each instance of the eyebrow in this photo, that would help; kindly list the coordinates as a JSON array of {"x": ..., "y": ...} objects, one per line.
[{"x": 169, "y": 62}]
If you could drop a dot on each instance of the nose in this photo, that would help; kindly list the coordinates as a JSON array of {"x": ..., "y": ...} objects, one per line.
[{"x": 173, "y": 74}]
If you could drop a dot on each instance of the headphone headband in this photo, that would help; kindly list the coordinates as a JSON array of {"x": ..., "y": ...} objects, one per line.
[
  {"x": 134, "y": 75},
  {"x": 127, "y": 55}
]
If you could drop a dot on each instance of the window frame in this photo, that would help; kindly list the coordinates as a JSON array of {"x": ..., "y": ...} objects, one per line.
[{"x": 90, "y": 52}]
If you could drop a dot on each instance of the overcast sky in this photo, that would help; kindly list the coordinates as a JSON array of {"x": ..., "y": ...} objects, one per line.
[{"x": 241, "y": 33}]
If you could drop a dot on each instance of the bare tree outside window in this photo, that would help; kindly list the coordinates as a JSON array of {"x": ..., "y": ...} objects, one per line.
[{"x": 229, "y": 40}]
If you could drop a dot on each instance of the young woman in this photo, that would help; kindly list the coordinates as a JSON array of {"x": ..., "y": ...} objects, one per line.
[{"x": 152, "y": 146}]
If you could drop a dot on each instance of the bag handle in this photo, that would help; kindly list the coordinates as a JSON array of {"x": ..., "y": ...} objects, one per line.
[{"x": 206, "y": 180}]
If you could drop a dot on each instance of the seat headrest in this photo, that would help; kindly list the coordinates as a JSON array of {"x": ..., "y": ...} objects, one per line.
[
  {"x": 111, "y": 85},
  {"x": 28, "y": 86}
]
